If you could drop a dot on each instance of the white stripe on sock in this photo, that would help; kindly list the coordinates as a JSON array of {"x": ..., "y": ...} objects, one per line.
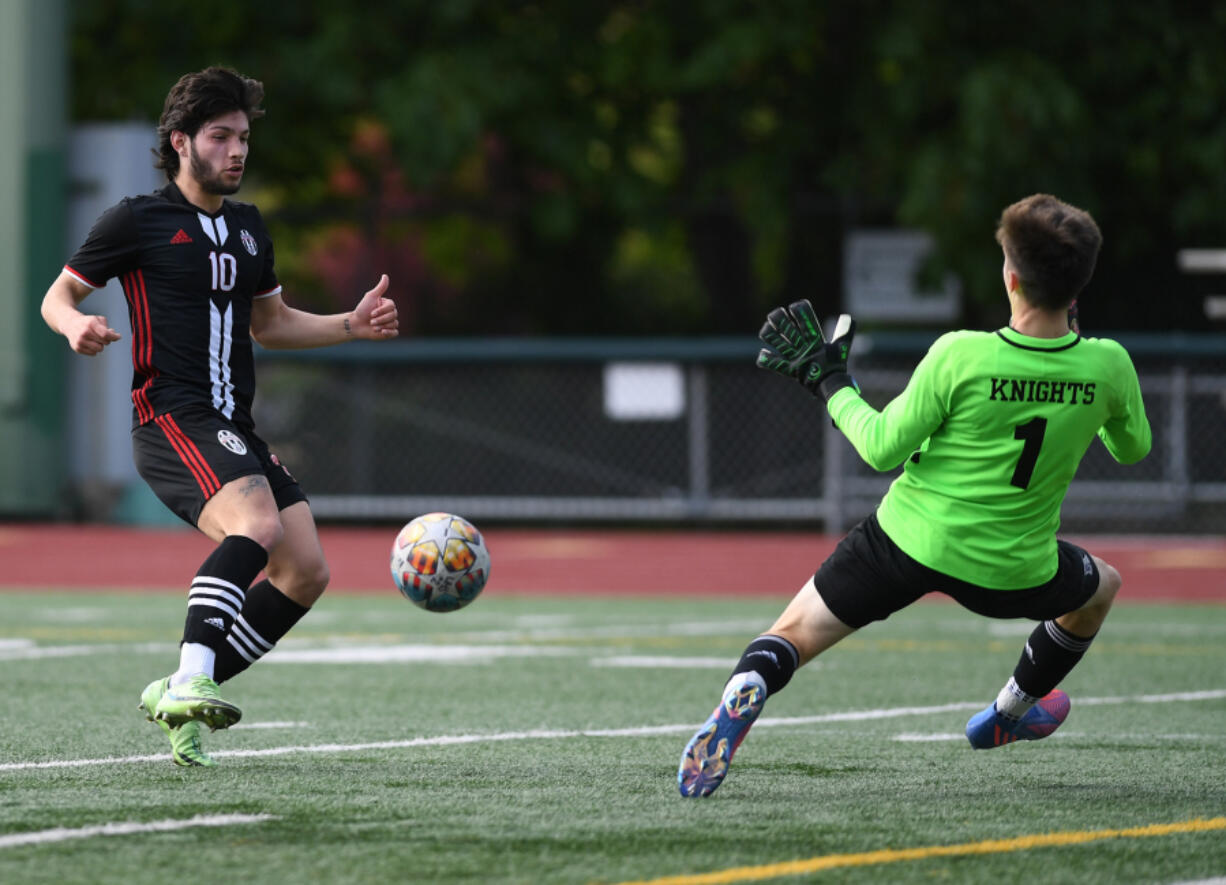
[
  {"x": 218, "y": 587},
  {"x": 209, "y": 602},
  {"x": 254, "y": 639},
  {"x": 1064, "y": 639},
  {"x": 242, "y": 651}
]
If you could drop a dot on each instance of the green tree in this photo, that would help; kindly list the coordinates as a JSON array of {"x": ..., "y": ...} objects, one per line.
[{"x": 658, "y": 167}]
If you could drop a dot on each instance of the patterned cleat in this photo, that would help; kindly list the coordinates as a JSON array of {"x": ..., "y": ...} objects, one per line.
[
  {"x": 185, "y": 746},
  {"x": 989, "y": 729},
  {"x": 705, "y": 760},
  {"x": 198, "y": 700}
]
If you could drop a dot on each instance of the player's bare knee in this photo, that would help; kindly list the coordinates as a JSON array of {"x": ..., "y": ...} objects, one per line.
[
  {"x": 1087, "y": 620},
  {"x": 318, "y": 577},
  {"x": 1109, "y": 581},
  {"x": 266, "y": 531}
]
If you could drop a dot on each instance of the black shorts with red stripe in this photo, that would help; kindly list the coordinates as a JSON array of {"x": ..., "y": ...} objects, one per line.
[{"x": 188, "y": 455}]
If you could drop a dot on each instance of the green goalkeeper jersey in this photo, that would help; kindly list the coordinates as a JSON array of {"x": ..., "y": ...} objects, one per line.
[{"x": 992, "y": 426}]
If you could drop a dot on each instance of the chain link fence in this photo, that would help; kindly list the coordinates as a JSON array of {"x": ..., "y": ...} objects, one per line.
[{"x": 674, "y": 431}]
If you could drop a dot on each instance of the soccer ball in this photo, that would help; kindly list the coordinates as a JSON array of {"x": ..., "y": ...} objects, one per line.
[{"x": 440, "y": 562}]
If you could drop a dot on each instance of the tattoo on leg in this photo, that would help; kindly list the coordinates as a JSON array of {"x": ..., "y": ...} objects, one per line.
[{"x": 253, "y": 485}]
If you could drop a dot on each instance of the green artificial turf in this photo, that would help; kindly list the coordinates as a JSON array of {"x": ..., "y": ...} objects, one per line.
[{"x": 536, "y": 740}]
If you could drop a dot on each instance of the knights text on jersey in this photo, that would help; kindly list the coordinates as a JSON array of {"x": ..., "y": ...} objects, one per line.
[
  {"x": 990, "y": 430},
  {"x": 190, "y": 279}
]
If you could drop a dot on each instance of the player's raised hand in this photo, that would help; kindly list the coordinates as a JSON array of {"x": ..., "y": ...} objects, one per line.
[
  {"x": 825, "y": 372},
  {"x": 798, "y": 349},
  {"x": 794, "y": 333},
  {"x": 375, "y": 317},
  {"x": 88, "y": 334}
]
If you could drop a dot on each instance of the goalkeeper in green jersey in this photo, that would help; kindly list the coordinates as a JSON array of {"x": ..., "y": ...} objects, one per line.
[{"x": 990, "y": 430}]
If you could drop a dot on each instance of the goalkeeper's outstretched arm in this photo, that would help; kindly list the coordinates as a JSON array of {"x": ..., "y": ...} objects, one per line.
[{"x": 797, "y": 349}]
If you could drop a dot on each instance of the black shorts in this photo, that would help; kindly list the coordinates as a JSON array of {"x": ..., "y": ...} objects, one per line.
[
  {"x": 868, "y": 577},
  {"x": 187, "y": 456}
]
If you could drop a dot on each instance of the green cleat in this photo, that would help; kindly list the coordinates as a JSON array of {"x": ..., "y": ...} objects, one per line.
[
  {"x": 198, "y": 700},
  {"x": 185, "y": 746}
]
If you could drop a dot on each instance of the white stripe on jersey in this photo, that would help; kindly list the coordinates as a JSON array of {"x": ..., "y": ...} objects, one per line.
[
  {"x": 94, "y": 286},
  {"x": 221, "y": 337},
  {"x": 214, "y": 228},
  {"x": 206, "y": 225}
]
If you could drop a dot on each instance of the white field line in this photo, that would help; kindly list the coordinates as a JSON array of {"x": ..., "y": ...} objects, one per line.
[
  {"x": 349, "y": 654},
  {"x": 396, "y": 654},
  {"x": 25, "y": 650},
  {"x": 659, "y": 661},
  {"x": 309, "y": 651},
  {"x": 62, "y": 834},
  {"x": 540, "y": 629},
  {"x": 563, "y": 734},
  {"x": 79, "y": 614},
  {"x": 915, "y": 737},
  {"x": 1152, "y": 632},
  {"x": 742, "y": 626},
  {"x": 1156, "y": 698},
  {"x": 1090, "y": 702}
]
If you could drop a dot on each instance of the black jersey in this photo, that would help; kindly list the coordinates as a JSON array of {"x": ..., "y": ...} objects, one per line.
[{"x": 190, "y": 278}]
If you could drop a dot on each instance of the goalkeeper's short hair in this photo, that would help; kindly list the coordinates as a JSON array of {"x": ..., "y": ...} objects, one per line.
[{"x": 1052, "y": 246}]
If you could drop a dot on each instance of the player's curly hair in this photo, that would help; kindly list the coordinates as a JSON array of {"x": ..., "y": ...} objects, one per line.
[
  {"x": 1052, "y": 246},
  {"x": 198, "y": 98}
]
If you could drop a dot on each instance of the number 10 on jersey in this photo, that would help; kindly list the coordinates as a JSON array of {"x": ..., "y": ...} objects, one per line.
[{"x": 225, "y": 271}]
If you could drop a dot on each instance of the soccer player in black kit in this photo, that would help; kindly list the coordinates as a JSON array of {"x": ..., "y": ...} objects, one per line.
[{"x": 198, "y": 274}]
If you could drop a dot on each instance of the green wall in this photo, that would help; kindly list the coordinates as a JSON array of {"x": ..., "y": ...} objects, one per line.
[{"x": 33, "y": 190}]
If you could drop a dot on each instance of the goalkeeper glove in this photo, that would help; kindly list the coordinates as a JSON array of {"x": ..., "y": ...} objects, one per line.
[{"x": 797, "y": 349}]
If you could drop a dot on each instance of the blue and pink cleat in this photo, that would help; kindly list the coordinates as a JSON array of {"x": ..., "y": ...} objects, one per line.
[
  {"x": 989, "y": 729},
  {"x": 705, "y": 760}
]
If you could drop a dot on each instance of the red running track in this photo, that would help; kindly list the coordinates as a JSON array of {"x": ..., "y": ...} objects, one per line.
[{"x": 1155, "y": 568}]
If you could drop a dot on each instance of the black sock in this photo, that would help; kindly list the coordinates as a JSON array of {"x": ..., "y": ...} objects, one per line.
[
  {"x": 1050, "y": 653},
  {"x": 217, "y": 592},
  {"x": 771, "y": 657},
  {"x": 267, "y": 615}
]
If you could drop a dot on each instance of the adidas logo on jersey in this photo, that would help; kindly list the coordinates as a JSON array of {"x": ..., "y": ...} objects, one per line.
[
  {"x": 216, "y": 622},
  {"x": 180, "y": 237}
]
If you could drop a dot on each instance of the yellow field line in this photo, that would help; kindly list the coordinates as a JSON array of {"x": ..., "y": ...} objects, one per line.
[{"x": 991, "y": 846}]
